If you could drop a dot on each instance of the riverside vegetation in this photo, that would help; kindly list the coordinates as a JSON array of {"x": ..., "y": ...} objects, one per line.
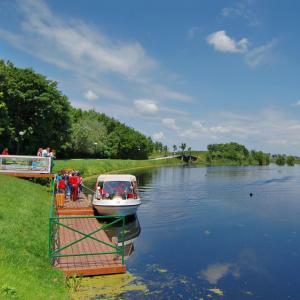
[{"x": 237, "y": 154}]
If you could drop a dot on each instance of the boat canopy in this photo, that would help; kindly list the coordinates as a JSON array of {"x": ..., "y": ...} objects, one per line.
[{"x": 116, "y": 177}]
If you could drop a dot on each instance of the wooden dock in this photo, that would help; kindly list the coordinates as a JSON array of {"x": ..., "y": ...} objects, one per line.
[
  {"x": 80, "y": 207},
  {"x": 75, "y": 262}
]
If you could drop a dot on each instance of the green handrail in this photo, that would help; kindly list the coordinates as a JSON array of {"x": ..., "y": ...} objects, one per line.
[
  {"x": 54, "y": 223},
  {"x": 89, "y": 235}
]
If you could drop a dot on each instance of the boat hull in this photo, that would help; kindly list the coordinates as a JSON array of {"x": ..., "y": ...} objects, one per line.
[{"x": 108, "y": 208}]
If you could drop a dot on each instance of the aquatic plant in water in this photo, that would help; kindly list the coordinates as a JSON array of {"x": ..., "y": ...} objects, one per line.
[{"x": 109, "y": 287}]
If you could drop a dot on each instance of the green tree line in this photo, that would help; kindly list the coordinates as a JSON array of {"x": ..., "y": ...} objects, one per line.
[
  {"x": 237, "y": 153},
  {"x": 34, "y": 113},
  {"x": 240, "y": 154}
]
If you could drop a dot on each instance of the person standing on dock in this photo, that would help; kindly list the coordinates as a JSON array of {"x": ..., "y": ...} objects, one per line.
[
  {"x": 73, "y": 179},
  {"x": 39, "y": 152},
  {"x": 68, "y": 186},
  {"x": 80, "y": 181},
  {"x": 45, "y": 152},
  {"x": 5, "y": 151},
  {"x": 52, "y": 156}
]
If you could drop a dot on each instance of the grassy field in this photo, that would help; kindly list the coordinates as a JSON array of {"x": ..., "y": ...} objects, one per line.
[
  {"x": 25, "y": 271},
  {"x": 90, "y": 167}
]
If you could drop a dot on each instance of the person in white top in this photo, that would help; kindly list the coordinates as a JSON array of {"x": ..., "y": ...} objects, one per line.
[{"x": 45, "y": 152}]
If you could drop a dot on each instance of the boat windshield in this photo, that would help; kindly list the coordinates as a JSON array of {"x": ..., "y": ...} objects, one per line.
[{"x": 123, "y": 189}]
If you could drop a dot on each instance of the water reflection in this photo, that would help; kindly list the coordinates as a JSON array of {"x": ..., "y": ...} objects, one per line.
[
  {"x": 131, "y": 232},
  {"x": 204, "y": 237}
]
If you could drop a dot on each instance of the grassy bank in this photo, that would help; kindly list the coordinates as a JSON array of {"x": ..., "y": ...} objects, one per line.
[
  {"x": 90, "y": 167},
  {"x": 25, "y": 271}
]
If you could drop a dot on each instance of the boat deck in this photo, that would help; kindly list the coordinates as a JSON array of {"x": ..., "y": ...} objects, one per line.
[{"x": 76, "y": 261}]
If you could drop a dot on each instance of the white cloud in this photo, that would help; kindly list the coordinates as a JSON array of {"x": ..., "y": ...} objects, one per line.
[
  {"x": 112, "y": 68},
  {"x": 145, "y": 106},
  {"x": 74, "y": 43},
  {"x": 243, "y": 10},
  {"x": 297, "y": 103},
  {"x": 270, "y": 130},
  {"x": 158, "y": 136},
  {"x": 192, "y": 32},
  {"x": 224, "y": 43},
  {"x": 165, "y": 93},
  {"x": 90, "y": 95},
  {"x": 197, "y": 124},
  {"x": 260, "y": 55},
  {"x": 170, "y": 123}
]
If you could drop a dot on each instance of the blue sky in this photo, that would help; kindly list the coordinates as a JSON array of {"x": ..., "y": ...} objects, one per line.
[{"x": 198, "y": 72}]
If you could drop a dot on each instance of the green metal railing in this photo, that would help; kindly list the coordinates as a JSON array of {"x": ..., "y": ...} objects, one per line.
[{"x": 56, "y": 221}]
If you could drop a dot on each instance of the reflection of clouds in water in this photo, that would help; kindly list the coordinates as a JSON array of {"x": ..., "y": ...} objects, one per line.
[
  {"x": 213, "y": 273},
  {"x": 247, "y": 261}
]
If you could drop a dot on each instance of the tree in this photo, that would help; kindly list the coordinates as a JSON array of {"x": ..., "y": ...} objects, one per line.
[
  {"x": 33, "y": 106},
  {"x": 166, "y": 150},
  {"x": 190, "y": 152},
  {"x": 280, "y": 160},
  {"x": 88, "y": 138},
  {"x": 5, "y": 130},
  {"x": 290, "y": 160},
  {"x": 236, "y": 153},
  {"x": 182, "y": 147},
  {"x": 158, "y": 147},
  {"x": 174, "y": 149},
  {"x": 34, "y": 113}
]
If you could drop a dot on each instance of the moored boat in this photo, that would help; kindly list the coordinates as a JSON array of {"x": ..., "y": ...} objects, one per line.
[{"x": 116, "y": 195}]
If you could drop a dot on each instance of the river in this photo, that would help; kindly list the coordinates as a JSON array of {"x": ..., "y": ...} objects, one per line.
[{"x": 200, "y": 234}]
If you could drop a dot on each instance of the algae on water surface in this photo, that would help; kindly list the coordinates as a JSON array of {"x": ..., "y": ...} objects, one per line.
[{"x": 110, "y": 287}]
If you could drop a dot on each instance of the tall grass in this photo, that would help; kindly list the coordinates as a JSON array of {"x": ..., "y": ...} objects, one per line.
[{"x": 25, "y": 270}]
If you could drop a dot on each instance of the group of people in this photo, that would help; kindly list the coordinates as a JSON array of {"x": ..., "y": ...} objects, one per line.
[
  {"x": 69, "y": 184},
  {"x": 46, "y": 152}
]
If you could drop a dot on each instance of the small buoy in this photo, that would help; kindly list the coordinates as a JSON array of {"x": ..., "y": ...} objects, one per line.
[{"x": 250, "y": 194}]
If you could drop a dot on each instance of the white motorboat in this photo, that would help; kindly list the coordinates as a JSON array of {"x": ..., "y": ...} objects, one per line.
[{"x": 116, "y": 195}]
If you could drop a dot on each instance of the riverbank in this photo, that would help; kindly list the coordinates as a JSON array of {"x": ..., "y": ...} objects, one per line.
[
  {"x": 25, "y": 270},
  {"x": 92, "y": 167}
]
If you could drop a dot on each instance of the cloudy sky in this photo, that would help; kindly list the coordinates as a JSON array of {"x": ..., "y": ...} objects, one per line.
[{"x": 180, "y": 71}]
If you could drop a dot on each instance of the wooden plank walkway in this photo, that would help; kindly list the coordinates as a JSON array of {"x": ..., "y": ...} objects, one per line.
[
  {"x": 80, "y": 207},
  {"x": 86, "y": 265}
]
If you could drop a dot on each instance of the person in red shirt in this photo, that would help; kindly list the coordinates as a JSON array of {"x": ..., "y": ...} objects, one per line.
[
  {"x": 5, "y": 151},
  {"x": 74, "y": 182},
  {"x": 62, "y": 185}
]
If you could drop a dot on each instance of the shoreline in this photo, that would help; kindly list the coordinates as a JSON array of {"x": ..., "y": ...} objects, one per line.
[{"x": 92, "y": 167}]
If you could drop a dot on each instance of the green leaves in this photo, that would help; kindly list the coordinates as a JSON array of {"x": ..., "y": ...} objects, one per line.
[
  {"x": 35, "y": 107},
  {"x": 32, "y": 104}
]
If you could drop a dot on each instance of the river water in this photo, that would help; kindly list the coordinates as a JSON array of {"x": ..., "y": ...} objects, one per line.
[{"x": 199, "y": 233}]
